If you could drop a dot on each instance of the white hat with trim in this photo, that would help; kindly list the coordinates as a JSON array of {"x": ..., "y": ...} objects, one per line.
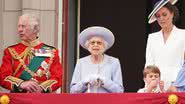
[
  {"x": 99, "y": 31},
  {"x": 158, "y": 5}
]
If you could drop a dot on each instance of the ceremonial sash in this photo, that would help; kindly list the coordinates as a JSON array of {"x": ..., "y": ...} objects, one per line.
[{"x": 33, "y": 66}]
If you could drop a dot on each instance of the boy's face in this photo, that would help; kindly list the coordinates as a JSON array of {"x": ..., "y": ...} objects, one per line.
[{"x": 151, "y": 76}]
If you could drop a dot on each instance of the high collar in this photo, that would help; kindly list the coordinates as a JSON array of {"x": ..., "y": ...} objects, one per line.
[{"x": 32, "y": 43}]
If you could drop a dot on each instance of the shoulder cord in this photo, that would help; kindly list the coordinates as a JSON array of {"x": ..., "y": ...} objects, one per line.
[
  {"x": 22, "y": 63},
  {"x": 20, "y": 57}
]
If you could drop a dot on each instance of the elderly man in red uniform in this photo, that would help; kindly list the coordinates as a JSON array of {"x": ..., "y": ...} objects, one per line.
[{"x": 31, "y": 65}]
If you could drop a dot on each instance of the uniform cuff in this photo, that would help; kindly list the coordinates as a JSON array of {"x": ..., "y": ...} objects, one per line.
[
  {"x": 14, "y": 80},
  {"x": 46, "y": 85}
]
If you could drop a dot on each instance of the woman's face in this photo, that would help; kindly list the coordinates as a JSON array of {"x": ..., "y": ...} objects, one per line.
[
  {"x": 164, "y": 17},
  {"x": 96, "y": 46}
]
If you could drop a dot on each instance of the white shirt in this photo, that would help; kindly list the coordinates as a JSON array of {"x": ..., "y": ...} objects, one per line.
[
  {"x": 144, "y": 90},
  {"x": 167, "y": 56}
]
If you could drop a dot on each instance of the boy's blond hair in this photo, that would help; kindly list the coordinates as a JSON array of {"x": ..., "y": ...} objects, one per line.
[{"x": 151, "y": 69}]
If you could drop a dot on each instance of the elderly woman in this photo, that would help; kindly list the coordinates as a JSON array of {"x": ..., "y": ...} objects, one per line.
[
  {"x": 165, "y": 48},
  {"x": 98, "y": 72}
]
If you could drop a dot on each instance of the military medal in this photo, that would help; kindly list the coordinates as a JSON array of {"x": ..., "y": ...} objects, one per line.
[
  {"x": 43, "y": 52},
  {"x": 48, "y": 74},
  {"x": 39, "y": 73},
  {"x": 44, "y": 65}
]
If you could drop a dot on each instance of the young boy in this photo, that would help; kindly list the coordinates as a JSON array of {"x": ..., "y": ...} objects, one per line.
[{"x": 152, "y": 80}]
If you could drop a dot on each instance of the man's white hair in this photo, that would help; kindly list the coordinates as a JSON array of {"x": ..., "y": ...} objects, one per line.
[{"x": 33, "y": 20}]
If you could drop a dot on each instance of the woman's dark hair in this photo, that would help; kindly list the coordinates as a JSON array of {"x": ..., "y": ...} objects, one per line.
[{"x": 173, "y": 9}]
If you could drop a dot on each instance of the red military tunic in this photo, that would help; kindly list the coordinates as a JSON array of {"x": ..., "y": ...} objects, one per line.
[{"x": 17, "y": 58}]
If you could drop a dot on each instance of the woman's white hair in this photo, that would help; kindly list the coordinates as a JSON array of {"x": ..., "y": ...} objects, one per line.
[
  {"x": 104, "y": 42},
  {"x": 33, "y": 20}
]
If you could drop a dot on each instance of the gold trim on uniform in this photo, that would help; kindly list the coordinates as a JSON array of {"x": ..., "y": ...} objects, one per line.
[
  {"x": 22, "y": 58},
  {"x": 14, "y": 80},
  {"x": 46, "y": 85},
  {"x": 16, "y": 56},
  {"x": 49, "y": 64},
  {"x": 32, "y": 43}
]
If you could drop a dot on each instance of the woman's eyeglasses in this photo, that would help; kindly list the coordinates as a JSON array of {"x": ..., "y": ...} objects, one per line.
[{"x": 96, "y": 42}]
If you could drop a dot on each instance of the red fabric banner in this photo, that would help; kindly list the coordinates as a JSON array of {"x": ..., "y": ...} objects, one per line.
[{"x": 122, "y": 98}]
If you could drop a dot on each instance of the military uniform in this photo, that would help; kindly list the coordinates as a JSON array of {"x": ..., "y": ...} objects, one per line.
[{"x": 35, "y": 61}]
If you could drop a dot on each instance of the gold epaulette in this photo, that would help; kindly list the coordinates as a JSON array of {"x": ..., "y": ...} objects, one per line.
[{"x": 15, "y": 55}]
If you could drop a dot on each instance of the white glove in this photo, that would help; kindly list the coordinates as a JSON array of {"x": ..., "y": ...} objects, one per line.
[
  {"x": 92, "y": 79},
  {"x": 102, "y": 79},
  {"x": 97, "y": 80}
]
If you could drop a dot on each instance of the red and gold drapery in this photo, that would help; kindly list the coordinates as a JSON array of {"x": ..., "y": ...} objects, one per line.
[{"x": 122, "y": 98}]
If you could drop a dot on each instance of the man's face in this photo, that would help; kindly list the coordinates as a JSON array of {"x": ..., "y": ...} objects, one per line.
[{"x": 24, "y": 30}]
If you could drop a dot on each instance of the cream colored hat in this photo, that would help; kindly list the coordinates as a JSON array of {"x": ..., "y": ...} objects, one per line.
[
  {"x": 158, "y": 5},
  {"x": 90, "y": 32}
]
